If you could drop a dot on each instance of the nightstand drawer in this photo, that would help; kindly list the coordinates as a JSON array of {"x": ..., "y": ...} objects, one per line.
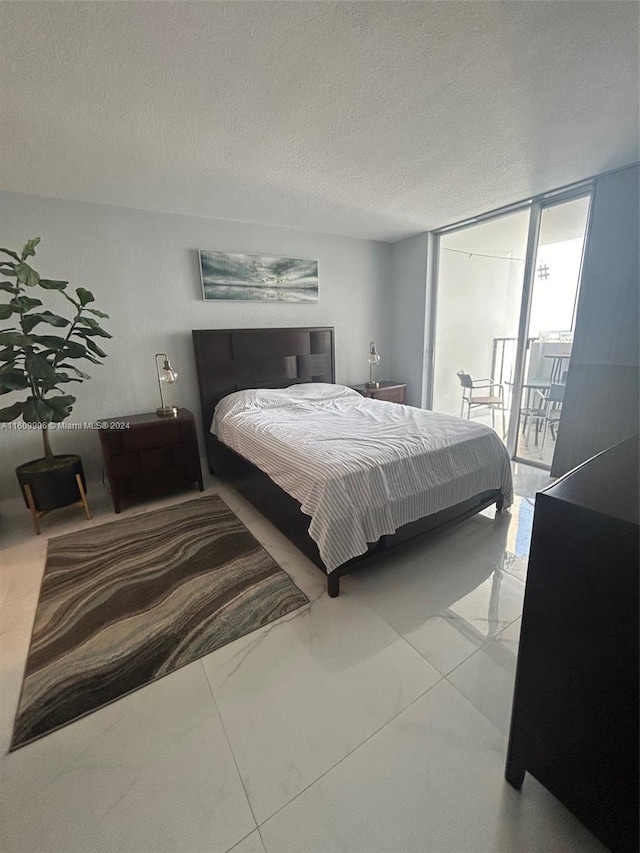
[
  {"x": 186, "y": 454},
  {"x": 158, "y": 435},
  {"x": 155, "y": 459},
  {"x": 123, "y": 464},
  {"x": 390, "y": 392},
  {"x": 391, "y": 395}
]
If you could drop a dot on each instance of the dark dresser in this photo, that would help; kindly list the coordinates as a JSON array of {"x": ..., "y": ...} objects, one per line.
[
  {"x": 574, "y": 722},
  {"x": 147, "y": 455}
]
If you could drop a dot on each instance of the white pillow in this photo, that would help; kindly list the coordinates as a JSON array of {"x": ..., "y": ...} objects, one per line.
[{"x": 261, "y": 399}]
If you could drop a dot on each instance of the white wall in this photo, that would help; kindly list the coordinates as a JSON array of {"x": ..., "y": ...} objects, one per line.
[
  {"x": 409, "y": 273},
  {"x": 143, "y": 270}
]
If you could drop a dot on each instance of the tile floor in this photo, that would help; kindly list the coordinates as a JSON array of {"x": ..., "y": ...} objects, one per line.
[{"x": 372, "y": 722}]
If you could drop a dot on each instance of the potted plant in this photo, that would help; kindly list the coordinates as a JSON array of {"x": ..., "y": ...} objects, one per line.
[{"x": 37, "y": 361}]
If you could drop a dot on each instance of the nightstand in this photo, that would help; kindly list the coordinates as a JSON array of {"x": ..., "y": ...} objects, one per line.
[
  {"x": 148, "y": 454},
  {"x": 393, "y": 392}
]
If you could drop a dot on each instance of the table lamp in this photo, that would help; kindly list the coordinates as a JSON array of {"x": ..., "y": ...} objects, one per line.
[
  {"x": 374, "y": 358},
  {"x": 167, "y": 374}
]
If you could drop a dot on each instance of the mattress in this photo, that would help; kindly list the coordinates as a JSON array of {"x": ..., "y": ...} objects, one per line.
[{"x": 360, "y": 468}]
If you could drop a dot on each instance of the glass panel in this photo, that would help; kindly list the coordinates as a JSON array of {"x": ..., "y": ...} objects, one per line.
[
  {"x": 480, "y": 275},
  {"x": 550, "y": 338}
]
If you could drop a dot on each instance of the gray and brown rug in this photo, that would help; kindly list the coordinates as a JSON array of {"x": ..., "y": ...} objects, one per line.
[{"x": 127, "y": 602}]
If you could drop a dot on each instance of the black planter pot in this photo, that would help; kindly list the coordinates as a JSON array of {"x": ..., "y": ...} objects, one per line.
[{"x": 52, "y": 488}]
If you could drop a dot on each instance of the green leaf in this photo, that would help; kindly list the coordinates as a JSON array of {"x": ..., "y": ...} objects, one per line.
[
  {"x": 73, "y": 349},
  {"x": 26, "y": 274},
  {"x": 10, "y": 271},
  {"x": 11, "y": 288},
  {"x": 96, "y": 312},
  {"x": 15, "y": 339},
  {"x": 10, "y": 413},
  {"x": 31, "y": 320},
  {"x": 6, "y": 311},
  {"x": 91, "y": 332},
  {"x": 29, "y": 247},
  {"x": 76, "y": 370},
  {"x": 7, "y": 370},
  {"x": 55, "y": 342},
  {"x": 85, "y": 296},
  {"x": 88, "y": 321},
  {"x": 12, "y": 379},
  {"x": 51, "y": 284},
  {"x": 8, "y": 354},
  {"x": 38, "y": 367},
  {"x": 26, "y": 303},
  {"x": 37, "y": 411},
  {"x": 61, "y": 407},
  {"x": 9, "y": 252},
  {"x": 56, "y": 380},
  {"x": 93, "y": 346}
]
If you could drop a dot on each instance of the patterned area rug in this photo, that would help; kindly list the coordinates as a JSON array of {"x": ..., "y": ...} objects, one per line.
[{"x": 130, "y": 601}]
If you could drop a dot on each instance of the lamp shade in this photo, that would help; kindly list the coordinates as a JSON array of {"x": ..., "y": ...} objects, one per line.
[{"x": 168, "y": 373}]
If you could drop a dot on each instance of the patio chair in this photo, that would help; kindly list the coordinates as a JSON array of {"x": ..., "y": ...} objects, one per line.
[
  {"x": 489, "y": 399},
  {"x": 546, "y": 411}
]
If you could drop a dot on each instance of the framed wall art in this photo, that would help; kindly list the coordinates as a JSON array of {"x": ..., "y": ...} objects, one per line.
[{"x": 261, "y": 278}]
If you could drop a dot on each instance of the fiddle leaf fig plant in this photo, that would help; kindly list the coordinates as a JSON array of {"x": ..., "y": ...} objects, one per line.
[{"x": 34, "y": 358}]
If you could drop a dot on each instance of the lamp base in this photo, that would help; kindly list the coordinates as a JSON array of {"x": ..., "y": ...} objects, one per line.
[
  {"x": 168, "y": 411},
  {"x": 371, "y": 384}
]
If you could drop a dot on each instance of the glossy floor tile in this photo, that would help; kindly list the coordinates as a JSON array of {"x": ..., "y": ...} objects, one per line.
[
  {"x": 375, "y": 721},
  {"x": 487, "y": 677},
  {"x": 431, "y": 780},
  {"x": 297, "y": 696},
  {"x": 446, "y": 601},
  {"x": 151, "y": 772},
  {"x": 251, "y": 844}
]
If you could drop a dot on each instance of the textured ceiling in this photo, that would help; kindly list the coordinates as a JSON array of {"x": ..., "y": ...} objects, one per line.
[{"x": 367, "y": 119}]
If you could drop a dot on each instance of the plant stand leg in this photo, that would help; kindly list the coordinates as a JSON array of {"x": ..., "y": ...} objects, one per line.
[
  {"x": 83, "y": 496},
  {"x": 32, "y": 509}
]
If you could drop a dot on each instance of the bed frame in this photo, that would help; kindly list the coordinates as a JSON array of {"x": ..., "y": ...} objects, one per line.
[{"x": 230, "y": 360}]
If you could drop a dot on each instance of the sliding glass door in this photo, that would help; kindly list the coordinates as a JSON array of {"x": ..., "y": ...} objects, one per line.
[
  {"x": 504, "y": 306},
  {"x": 480, "y": 274},
  {"x": 556, "y": 280}
]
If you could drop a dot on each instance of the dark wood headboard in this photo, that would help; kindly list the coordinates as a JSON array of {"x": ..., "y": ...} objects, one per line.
[{"x": 230, "y": 360}]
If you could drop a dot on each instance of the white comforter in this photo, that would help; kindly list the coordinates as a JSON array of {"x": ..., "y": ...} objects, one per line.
[{"x": 360, "y": 468}]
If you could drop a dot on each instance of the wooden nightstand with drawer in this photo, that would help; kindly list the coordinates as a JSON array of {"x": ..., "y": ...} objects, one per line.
[
  {"x": 147, "y": 455},
  {"x": 392, "y": 392}
]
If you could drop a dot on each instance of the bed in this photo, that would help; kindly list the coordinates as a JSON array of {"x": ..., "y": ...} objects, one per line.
[{"x": 253, "y": 424}]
